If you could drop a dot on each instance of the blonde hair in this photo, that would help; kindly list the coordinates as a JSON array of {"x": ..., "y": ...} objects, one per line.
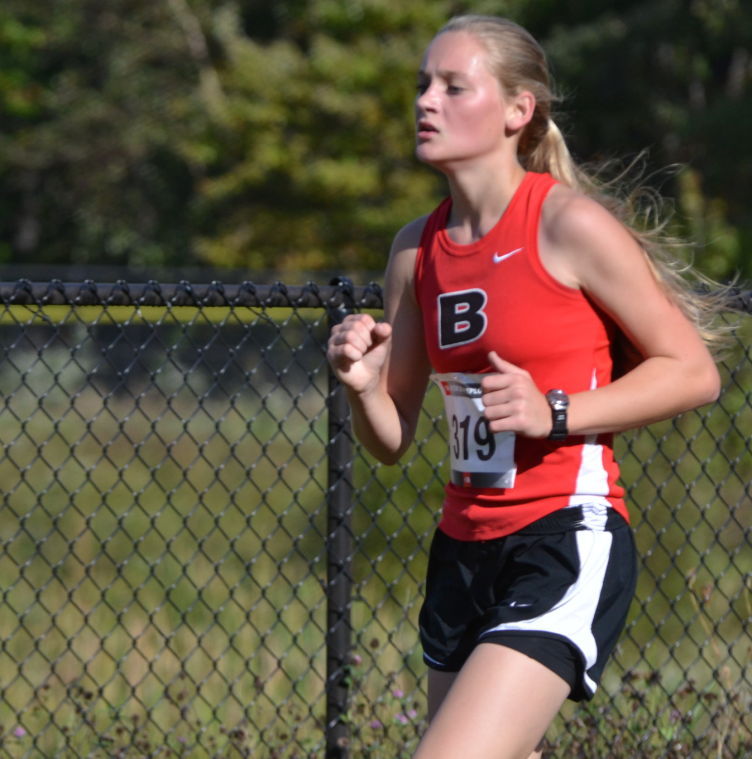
[{"x": 519, "y": 63}]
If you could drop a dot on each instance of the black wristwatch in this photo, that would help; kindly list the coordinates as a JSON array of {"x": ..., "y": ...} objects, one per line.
[{"x": 558, "y": 400}]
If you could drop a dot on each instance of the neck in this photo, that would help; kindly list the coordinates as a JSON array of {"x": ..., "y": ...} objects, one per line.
[{"x": 479, "y": 198}]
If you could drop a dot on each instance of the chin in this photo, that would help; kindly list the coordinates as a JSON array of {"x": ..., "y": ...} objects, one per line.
[
  {"x": 441, "y": 165},
  {"x": 425, "y": 155}
]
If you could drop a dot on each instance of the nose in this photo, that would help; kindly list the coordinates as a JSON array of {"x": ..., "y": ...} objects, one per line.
[{"x": 426, "y": 100}]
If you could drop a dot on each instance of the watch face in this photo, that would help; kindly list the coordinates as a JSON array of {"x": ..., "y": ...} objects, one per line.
[{"x": 558, "y": 399}]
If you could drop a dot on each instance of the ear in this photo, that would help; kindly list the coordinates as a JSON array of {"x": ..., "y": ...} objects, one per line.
[{"x": 520, "y": 110}]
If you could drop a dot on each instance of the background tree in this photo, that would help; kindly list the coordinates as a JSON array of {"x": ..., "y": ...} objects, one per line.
[
  {"x": 277, "y": 136},
  {"x": 94, "y": 119},
  {"x": 673, "y": 77}
]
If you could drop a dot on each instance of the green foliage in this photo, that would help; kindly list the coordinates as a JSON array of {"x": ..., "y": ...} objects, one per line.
[
  {"x": 278, "y": 136},
  {"x": 384, "y": 721},
  {"x": 90, "y": 167},
  {"x": 684, "y": 95},
  {"x": 318, "y": 172},
  {"x": 646, "y": 719}
]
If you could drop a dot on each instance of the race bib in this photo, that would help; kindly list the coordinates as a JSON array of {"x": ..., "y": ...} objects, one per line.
[{"x": 480, "y": 458}]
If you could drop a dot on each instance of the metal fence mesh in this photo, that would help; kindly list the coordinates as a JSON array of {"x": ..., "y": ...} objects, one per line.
[{"x": 165, "y": 576}]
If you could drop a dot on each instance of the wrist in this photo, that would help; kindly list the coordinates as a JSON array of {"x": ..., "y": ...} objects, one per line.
[{"x": 558, "y": 402}]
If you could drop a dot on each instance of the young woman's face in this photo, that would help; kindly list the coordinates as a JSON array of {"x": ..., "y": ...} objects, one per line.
[{"x": 460, "y": 108}]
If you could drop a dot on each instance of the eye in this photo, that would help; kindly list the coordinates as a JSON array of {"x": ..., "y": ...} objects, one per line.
[
  {"x": 454, "y": 89},
  {"x": 421, "y": 87}
]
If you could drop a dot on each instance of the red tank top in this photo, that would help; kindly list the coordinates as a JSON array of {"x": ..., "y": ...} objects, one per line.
[{"x": 494, "y": 294}]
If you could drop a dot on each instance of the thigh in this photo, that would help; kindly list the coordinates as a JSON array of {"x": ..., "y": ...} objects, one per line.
[
  {"x": 498, "y": 707},
  {"x": 439, "y": 684}
]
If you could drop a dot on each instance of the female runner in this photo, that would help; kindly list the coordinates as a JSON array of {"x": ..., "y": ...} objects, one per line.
[{"x": 515, "y": 295}]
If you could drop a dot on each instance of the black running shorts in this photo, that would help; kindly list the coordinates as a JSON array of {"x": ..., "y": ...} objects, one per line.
[{"x": 558, "y": 591}]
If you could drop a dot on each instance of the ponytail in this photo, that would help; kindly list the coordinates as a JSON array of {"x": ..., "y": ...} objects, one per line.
[
  {"x": 551, "y": 155},
  {"x": 519, "y": 63},
  {"x": 641, "y": 210}
]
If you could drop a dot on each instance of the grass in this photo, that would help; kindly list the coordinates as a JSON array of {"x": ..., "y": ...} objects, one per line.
[
  {"x": 643, "y": 719},
  {"x": 385, "y": 722},
  {"x": 163, "y": 563}
]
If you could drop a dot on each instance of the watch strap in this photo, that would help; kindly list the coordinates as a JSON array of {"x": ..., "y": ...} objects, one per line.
[
  {"x": 558, "y": 400},
  {"x": 559, "y": 427}
]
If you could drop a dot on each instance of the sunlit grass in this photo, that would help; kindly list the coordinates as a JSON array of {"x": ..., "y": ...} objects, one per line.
[{"x": 163, "y": 564}]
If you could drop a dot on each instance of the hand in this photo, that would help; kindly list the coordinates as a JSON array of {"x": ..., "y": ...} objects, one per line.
[
  {"x": 357, "y": 350},
  {"x": 513, "y": 402}
]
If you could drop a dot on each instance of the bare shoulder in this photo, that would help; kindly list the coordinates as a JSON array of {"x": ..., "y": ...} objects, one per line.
[
  {"x": 401, "y": 267},
  {"x": 406, "y": 378},
  {"x": 569, "y": 214},
  {"x": 408, "y": 238},
  {"x": 579, "y": 238}
]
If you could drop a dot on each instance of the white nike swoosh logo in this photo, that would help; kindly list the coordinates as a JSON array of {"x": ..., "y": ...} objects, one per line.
[{"x": 499, "y": 258}]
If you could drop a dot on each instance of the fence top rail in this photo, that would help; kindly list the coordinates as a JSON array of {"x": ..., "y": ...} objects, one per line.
[{"x": 340, "y": 293}]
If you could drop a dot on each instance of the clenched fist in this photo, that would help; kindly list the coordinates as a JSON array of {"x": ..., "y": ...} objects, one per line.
[{"x": 357, "y": 350}]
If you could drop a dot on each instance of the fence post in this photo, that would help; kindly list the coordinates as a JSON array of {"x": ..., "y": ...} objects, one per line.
[{"x": 339, "y": 553}]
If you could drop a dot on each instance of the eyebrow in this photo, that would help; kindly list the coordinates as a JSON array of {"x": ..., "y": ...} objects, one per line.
[{"x": 444, "y": 74}]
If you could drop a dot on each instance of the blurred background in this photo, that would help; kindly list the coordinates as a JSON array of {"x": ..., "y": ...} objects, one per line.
[{"x": 251, "y": 136}]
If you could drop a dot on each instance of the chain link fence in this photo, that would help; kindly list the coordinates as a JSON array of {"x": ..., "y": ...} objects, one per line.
[{"x": 197, "y": 561}]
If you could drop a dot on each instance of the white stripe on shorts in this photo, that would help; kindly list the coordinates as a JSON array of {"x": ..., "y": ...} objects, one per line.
[{"x": 572, "y": 617}]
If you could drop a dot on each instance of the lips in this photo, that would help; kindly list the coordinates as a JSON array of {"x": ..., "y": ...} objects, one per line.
[{"x": 426, "y": 128}]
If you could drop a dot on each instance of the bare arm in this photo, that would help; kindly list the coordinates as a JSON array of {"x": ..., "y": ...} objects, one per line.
[
  {"x": 584, "y": 247},
  {"x": 383, "y": 365}
]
